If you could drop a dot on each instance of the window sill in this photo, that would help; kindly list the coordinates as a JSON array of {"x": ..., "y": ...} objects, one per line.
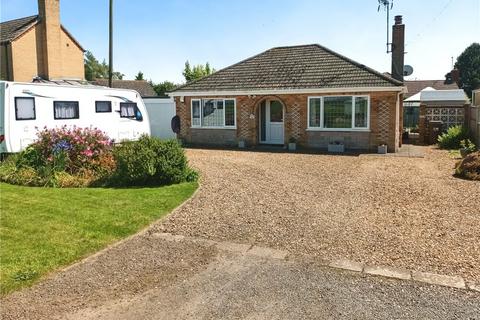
[
  {"x": 215, "y": 128},
  {"x": 337, "y": 130}
]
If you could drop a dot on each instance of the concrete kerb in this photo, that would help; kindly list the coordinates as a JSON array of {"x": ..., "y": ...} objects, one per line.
[{"x": 344, "y": 264}]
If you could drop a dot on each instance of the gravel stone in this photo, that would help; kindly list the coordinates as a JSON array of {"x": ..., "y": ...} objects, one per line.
[
  {"x": 267, "y": 253},
  {"x": 391, "y": 211},
  {"x": 233, "y": 247}
]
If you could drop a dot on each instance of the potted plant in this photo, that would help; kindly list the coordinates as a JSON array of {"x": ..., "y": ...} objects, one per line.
[
  {"x": 241, "y": 144},
  {"x": 382, "y": 149},
  {"x": 466, "y": 147},
  {"x": 336, "y": 146},
  {"x": 292, "y": 144}
]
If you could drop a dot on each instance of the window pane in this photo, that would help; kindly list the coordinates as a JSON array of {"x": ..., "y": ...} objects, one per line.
[
  {"x": 315, "y": 112},
  {"x": 337, "y": 112},
  {"x": 103, "y": 106},
  {"x": 361, "y": 112},
  {"x": 25, "y": 108},
  {"x": 65, "y": 109},
  {"x": 212, "y": 115},
  {"x": 276, "y": 111},
  {"x": 127, "y": 109},
  {"x": 195, "y": 112},
  {"x": 230, "y": 112}
]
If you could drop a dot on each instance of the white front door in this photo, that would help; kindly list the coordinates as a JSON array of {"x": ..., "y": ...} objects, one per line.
[{"x": 271, "y": 122}]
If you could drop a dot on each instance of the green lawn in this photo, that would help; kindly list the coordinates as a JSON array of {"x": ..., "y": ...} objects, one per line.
[{"x": 42, "y": 229}]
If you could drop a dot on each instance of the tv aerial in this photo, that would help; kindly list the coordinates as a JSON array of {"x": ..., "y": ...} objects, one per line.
[{"x": 387, "y": 6}]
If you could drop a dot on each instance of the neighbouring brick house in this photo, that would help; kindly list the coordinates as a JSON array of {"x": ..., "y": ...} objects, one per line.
[
  {"x": 39, "y": 46},
  {"x": 308, "y": 93}
]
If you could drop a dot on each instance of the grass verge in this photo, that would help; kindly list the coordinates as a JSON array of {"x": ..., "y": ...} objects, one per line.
[{"x": 42, "y": 229}]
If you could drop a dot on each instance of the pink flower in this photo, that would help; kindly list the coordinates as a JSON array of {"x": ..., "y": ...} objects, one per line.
[{"x": 88, "y": 153}]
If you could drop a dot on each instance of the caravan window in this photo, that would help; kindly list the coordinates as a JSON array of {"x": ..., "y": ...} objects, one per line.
[
  {"x": 65, "y": 110},
  {"x": 24, "y": 108},
  {"x": 128, "y": 109},
  {"x": 103, "y": 106}
]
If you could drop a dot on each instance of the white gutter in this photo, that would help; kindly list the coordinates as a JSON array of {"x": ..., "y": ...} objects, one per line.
[{"x": 283, "y": 91}]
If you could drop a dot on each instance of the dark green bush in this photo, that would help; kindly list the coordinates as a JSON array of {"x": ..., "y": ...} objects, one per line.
[
  {"x": 150, "y": 161},
  {"x": 452, "y": 138}
]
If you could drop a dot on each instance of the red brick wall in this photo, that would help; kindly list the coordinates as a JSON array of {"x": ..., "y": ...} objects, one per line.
[{"x": 384, "y": 122}]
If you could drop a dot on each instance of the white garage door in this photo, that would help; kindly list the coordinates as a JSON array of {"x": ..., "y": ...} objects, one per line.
[{"x": 160, "y": 112}]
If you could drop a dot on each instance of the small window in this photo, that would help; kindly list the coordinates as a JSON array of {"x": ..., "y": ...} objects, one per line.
[
  {"x": 195, "y": 113},
  {"x": 230, "y": 113},
  {"x": 24, "y": 108},
  {"x": 103, "y": 106},
  {"x": 65, "y": 110},
  {"x": 128, "y": 109}
]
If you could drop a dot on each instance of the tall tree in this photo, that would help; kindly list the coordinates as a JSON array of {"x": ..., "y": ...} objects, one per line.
[
  {"x": 163, "y": 87},
  {"x": 94, "y": 69},
  {"x": 468, "y": 65},
  {"x": 197, "y": 72},
  {"x": 139, "y": 76}
]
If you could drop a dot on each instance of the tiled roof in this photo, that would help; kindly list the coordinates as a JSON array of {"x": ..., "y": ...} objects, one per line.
[
  {"x": 295, "y": 67},
  {"x": 415, "y": 86},
  {"x": 10, "y": 30},
  {"x": 141, "y": 86}
]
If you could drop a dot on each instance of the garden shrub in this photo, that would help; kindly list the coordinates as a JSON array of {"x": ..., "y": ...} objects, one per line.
[
  {"x": 469, "y": 167},
  {"x": 61, "y": 157},
  {"x": 151, "y": 161},
  {"x": 452, "y": 138},
  {"x": 81, "y": 157}
]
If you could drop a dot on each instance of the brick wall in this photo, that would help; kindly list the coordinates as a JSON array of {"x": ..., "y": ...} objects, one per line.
[
  {"x": 24, "y": 57},
  {"x": 384, "y": 123}
]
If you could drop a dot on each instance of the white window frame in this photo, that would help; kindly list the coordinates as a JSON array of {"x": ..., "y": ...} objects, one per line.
[
  {"x": 201, "y": 126},
  {"x": 322, "y": 124},
  {"x": 200, "y": 113}
]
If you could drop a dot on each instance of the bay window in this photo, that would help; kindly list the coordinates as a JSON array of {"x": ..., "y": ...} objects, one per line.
[
  {"x": 338, "y": 113},
  {"x": 213, "y": 113}
]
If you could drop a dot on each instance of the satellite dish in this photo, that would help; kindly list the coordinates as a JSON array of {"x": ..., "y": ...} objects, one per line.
[{"x": 407, "y": 70}]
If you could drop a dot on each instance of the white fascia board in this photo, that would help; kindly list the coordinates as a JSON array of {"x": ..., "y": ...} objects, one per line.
[{"x": 285, "y": 91}]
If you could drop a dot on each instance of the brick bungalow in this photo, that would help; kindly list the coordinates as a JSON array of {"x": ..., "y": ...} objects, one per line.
[{"x": 307, "y": 93}]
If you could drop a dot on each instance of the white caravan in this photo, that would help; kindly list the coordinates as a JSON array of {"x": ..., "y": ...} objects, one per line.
[{"x": 26, "y": 107}]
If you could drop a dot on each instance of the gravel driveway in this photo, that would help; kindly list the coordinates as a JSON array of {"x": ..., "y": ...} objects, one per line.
[{"x": 401, "y": 212}]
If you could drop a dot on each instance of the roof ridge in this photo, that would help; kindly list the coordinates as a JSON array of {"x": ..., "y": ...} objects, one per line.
[{"x": 23, "y": 18}]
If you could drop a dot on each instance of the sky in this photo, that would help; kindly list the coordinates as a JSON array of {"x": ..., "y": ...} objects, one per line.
[{"x": 158, "y": 36}]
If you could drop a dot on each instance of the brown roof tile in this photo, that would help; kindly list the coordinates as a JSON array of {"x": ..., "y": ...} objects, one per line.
[
  {"x": 415, "y": 86},
  {"x": 295, "y": 67},
  {"x": 10, "y": 30}
]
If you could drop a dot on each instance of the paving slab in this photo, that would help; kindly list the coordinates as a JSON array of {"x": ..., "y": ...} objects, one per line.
[
  {"x": 473, "y": 286},
  {"x": 346, "y": 265},
  {"x": 438, "y": 279},
  {"x": 398, "y": 273}
]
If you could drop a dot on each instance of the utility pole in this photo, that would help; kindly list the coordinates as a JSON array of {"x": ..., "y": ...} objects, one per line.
[{"x": 110, "y": 46}]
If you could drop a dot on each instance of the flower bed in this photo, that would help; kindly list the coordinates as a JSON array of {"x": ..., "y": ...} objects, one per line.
[{"x": 80, "y": 157}]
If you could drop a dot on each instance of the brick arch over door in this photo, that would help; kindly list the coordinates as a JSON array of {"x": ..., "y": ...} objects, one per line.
[{"x": 256, "y": 111}]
